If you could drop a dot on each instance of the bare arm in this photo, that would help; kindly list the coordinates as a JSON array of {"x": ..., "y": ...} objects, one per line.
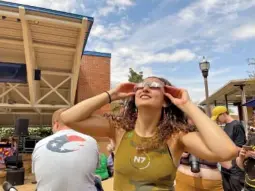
[
  {"x": 242, "y": 156},
  {"x": 80, "y": 118},
  {"x": 211, "y": 143},
  {"x": 228, "y": 164},
  {"x": 239, "y": 162}
]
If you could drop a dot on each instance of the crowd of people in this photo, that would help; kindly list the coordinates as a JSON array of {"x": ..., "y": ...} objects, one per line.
[{"x": 160, "y": 140}]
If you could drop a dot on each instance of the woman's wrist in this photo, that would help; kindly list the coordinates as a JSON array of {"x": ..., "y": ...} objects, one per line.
[
  {"x": 112, "y": 94},
  {"x": 187, "y": 107}
]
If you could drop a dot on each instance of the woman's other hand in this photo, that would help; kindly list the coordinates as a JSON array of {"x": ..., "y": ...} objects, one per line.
[
  {"x": 178, "y": 97},
  {"x": 242, "y": 153}
]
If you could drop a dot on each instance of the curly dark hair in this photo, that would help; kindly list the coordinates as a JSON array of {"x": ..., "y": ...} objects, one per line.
[{"x": 172, "y": 121}]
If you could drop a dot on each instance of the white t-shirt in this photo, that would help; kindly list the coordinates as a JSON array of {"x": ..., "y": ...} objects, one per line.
[{"x": 65, "y": 161}]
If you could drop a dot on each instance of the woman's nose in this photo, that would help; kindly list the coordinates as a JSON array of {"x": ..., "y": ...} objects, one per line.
[{"x": 146, "y": 88}]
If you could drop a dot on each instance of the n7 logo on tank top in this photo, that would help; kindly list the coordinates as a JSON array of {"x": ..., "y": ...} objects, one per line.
[{"x": 140, "y": 161}]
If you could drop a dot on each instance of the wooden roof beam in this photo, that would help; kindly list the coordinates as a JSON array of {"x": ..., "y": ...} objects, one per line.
[
  {"x": 38, "y": 45},
  {"x": 77, "y": 58},
  {"x": 34, "y": 86}
]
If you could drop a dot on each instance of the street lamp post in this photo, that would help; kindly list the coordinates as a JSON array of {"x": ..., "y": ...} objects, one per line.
[{"x": 204, "y": 67}]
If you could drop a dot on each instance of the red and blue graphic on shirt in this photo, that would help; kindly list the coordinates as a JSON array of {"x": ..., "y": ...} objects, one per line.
[{"x": 66, "y": 143}]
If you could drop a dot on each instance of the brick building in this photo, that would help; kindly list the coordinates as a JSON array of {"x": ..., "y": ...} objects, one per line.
[{"x": 94, "y": 76}]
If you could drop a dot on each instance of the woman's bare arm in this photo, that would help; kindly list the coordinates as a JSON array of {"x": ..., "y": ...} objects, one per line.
[
  {"x": 239, "y": 162},
  {"x": 80, "y": 117},
  {"x": 240, "y": 159},
  {"x": 211, "y": 142}
]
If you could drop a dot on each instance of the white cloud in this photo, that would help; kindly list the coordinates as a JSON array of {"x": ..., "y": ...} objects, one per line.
[
  {"x": 120, "y": 2},
  {"x": 219, "y": 72},
  {"x": 204, "y": 24},
  {"x": 147, "y": 71},
  {"x": 100, "y": 46},
  {"x": 125, "y": 58},
  {"x": 184, "y": 55},
  {"x": 195, "y": 85},
  {"x": 111, "y": 32},
  {"x": 61, "y": 5},
  {"x": 112, "y": 6},
  {"x": 139, "y": 57},
  {"x": 201, "y": 21},
  {"x": 244, "y": 32},
  {"x": 104, "y": 11}
]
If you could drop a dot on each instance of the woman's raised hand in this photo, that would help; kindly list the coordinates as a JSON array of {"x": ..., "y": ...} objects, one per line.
[
  {"x": 122, "y": 91},
  {"x": 177, "y": 96}
]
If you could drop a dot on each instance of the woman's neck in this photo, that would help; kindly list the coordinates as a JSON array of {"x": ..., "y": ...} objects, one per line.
[{"x": 147, "y": 122}]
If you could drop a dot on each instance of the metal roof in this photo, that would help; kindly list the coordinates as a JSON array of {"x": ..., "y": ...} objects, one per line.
[
  {"x": 232, "y": 92},
  {"x": 48, "y": 41},
  {"x": 93, "y": 53}
]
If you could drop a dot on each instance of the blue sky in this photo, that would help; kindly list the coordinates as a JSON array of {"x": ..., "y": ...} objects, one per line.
[{"x": 169, "y": 37}]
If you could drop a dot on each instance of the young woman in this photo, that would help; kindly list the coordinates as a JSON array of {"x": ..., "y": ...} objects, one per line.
[
  {"x": 151, "y": 135},
  {"x": 207, "y": 179}
]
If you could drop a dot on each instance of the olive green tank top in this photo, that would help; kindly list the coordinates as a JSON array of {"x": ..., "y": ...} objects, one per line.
[{"x": 150, "y": 171}]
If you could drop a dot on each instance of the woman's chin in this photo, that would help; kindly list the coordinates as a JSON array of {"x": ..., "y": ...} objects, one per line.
[{"x": 147, "y": 105}]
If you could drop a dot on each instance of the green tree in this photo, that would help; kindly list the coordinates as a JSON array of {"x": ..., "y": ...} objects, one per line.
[{"x": 134, "y": 76}]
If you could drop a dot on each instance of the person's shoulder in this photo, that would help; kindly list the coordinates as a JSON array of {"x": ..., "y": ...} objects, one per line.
[
  {"x": 44, "y": 140},
  {"x": 40, "y": 144},
  {"x": 238, "y": 124},
  {"x": 234, "y": 123}
]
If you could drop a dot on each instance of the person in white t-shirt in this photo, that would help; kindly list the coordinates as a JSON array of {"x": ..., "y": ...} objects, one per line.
[{"x": 66, "y": 160}]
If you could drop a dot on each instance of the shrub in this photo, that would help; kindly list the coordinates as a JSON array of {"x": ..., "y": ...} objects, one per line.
[{"x": 42, "y": 132}]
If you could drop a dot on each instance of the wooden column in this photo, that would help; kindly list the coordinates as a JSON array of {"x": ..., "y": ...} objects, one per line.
[
  {"x": 226, "y": 101},
  {"x": 244, "y": 108}
]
